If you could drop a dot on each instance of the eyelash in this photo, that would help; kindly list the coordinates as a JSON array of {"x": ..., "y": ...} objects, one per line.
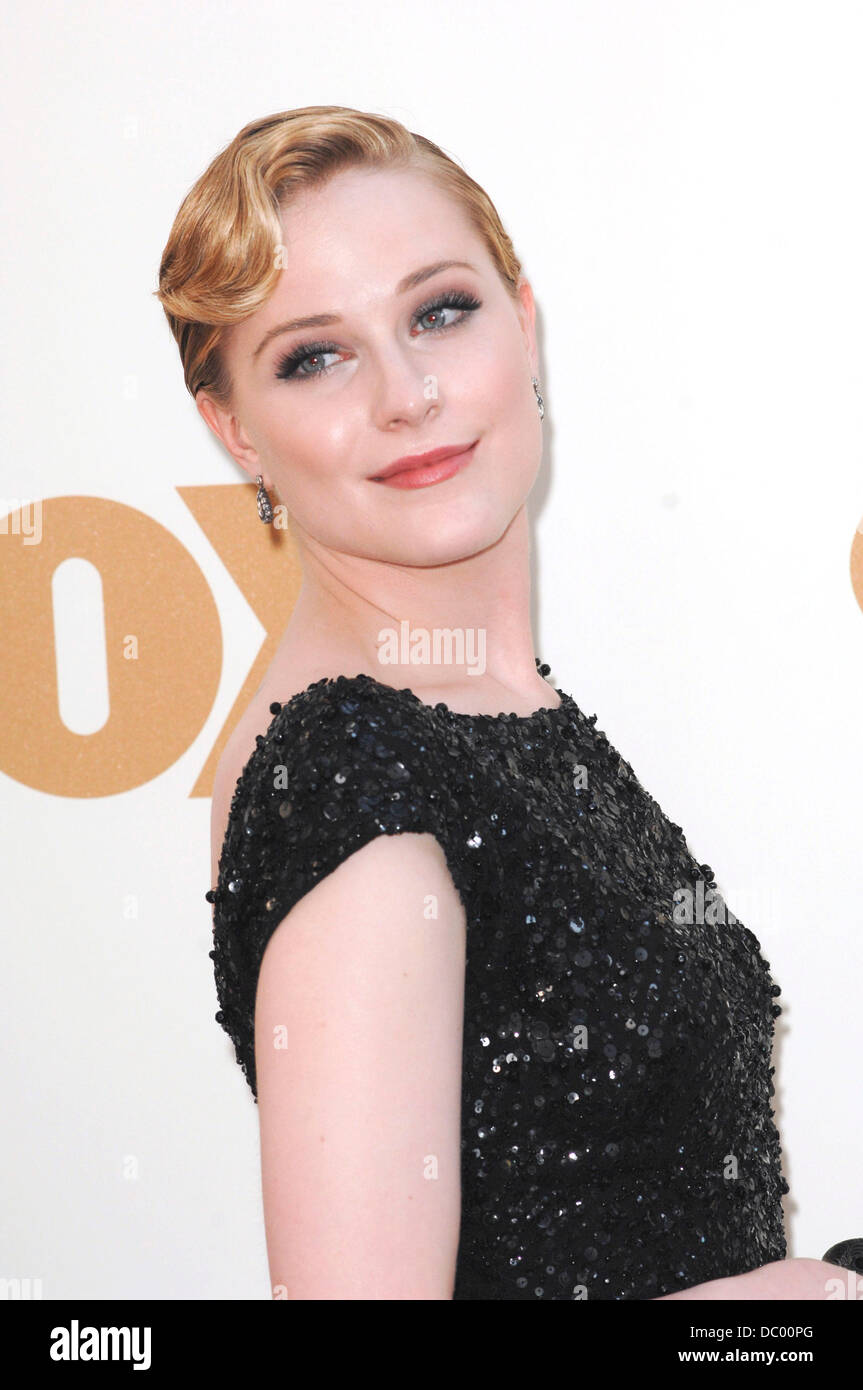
[{"x": 287, "y": 366}]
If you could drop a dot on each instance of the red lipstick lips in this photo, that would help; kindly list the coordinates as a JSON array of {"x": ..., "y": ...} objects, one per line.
[{"x": 420, "y": 470}]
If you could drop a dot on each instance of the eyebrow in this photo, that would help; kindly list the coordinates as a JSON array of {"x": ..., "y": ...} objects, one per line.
[{"x": 409, "y": 282}]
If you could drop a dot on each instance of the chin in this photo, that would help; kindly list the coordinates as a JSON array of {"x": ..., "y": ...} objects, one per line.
[{"x": 447, "y": 543}]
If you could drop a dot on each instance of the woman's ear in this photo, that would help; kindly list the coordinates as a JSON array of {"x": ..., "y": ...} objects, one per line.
[
  {"x": 527, "y": 315},
  {"x": 228, "y": 429}
]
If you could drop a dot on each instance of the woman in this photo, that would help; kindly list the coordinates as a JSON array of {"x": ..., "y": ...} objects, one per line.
[{"x": 490, "y": 1060}]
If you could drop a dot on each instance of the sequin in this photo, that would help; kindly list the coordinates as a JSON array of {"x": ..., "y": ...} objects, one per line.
[{"x": 618, "y": 1139}]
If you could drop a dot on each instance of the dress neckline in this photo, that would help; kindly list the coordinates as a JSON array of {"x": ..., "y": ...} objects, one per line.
[{"x": 509, "y": 717}]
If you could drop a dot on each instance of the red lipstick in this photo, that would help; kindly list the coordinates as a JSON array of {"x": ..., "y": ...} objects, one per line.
[{"x": 421, "y": 470}]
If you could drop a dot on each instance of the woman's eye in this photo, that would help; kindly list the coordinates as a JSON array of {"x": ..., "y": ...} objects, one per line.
[
  {"x": 437, "y": 312},
  {"x": 291, "y": 367},
  {"x": 459, "y": 300}
]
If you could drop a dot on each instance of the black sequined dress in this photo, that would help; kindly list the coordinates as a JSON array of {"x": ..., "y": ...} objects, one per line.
[{"x": 618, "y": 1139}]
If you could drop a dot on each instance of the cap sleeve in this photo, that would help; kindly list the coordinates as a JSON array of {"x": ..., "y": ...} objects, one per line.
[{"x": 341, "y": 763}]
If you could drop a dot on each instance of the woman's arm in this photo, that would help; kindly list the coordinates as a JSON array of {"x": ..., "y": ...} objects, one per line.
[
  {"x": 784, "y": 1279},
  {"x": 358, "y": 1051}
]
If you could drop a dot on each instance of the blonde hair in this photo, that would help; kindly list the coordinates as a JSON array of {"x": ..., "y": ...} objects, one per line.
[{"x": 220, "y": 263}]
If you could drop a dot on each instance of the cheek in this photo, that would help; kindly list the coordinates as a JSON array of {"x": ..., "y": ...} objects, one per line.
[
  {"x": 309, "y": 448},
  {"x": 496, "y": 372}
]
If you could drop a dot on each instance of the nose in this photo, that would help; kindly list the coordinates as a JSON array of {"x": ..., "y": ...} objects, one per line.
[{"x": 405, "y": 391}]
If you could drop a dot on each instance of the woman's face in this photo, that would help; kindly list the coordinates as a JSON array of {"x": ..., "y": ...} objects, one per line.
[{"x": 320, "y": 410}]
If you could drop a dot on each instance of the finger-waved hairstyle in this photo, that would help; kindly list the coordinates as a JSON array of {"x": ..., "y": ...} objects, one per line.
[{"x": 222, "y": 259}]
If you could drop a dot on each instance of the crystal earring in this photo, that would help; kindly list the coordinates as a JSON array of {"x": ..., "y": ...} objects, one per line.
[
  {"x": 539, "y": 402},
  {"x": 265, "y": 511}
]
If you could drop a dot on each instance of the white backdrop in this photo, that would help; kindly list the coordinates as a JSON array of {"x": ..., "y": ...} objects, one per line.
[{"x": 681, "y": 181}]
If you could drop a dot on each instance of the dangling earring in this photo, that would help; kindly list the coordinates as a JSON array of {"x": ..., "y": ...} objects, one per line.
[
  {"x": 265, "y": 511},
  {"x": 535, "y": 381}
]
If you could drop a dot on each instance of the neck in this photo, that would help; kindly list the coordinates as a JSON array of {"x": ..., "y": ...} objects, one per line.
[{"x": 460, "y": 632}]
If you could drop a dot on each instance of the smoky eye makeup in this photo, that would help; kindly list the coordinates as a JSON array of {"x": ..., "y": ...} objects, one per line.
[{"x": 288, "y": 366}]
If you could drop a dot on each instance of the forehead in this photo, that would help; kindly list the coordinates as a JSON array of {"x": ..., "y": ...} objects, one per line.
[{"x": 366, "y": 213}]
